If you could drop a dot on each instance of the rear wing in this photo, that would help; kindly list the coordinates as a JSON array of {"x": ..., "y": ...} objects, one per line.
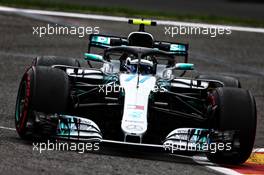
[{"x": 106, "y": 41}]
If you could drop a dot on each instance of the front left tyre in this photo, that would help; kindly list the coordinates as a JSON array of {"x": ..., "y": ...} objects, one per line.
[
  {"x": 55, "y": 60},
  {"x": 42, "y": 89}
]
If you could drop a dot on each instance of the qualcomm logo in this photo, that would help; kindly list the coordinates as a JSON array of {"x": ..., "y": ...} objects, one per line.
[{"x": 135, "y": 114}]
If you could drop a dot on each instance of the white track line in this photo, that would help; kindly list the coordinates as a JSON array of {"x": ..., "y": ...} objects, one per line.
[
  {"x": 257, "y": 150},
  {"x": 205, "y": 162},
  {"x": 124, "y": 19},
  {"x": 7, "y": 128}
]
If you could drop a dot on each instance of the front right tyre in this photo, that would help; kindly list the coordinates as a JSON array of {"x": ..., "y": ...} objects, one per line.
[
  {"x": 226, "y": 80},
  {"x": 235, "y": 110}
]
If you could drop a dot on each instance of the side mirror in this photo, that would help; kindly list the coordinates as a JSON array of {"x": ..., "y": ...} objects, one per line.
[
  {"x": 93, "y": 57},
  {"x": 184, "y": 66}
]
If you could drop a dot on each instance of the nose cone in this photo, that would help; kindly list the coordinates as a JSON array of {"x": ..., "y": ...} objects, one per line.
[{"x": 134, "y": 121}]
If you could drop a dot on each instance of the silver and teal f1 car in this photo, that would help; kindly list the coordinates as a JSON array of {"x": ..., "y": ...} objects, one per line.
[{"x": 134, "y": 90}]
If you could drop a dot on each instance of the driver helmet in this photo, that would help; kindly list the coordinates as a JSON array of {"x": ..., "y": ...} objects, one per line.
[{"x": 146, "y": 66}]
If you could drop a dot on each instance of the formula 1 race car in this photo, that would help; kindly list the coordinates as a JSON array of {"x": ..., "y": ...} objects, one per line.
[{"x": 137, "y": 93}]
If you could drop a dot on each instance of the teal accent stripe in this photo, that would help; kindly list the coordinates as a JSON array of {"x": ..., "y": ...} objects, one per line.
[
  {"x": 130, "y": 78},
  {"x": 144, "y": 79}
]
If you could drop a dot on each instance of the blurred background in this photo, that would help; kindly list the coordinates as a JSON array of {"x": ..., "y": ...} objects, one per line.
[{"x": 238, "y": 12}]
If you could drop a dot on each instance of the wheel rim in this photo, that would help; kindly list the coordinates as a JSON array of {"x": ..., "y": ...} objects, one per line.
[
  {"x": 22, "y": 104},
  {"x": 20, "y": 101}
]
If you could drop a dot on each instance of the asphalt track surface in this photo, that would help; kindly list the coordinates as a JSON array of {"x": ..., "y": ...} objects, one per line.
[{"x": 239, "y": 54}]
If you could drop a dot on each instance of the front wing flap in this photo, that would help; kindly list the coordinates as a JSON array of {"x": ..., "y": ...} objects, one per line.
[{"x": 179, "y": 140}]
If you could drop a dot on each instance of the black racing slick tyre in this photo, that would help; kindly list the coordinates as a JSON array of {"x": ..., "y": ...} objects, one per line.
[
  {"x": 42, "y": 89},
  {"x": 55, "y": 60},
  {"x": 235, "y": 110},
  {"x": 226, "y": 80}
]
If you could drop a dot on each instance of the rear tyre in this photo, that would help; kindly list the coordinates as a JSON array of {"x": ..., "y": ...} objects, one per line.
[
  {"x": 226, "y": 80},
  {"x": 54, "y": 60},
  {"x": 42, "y": 89},
  {"x": 236, "y": 110}
]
